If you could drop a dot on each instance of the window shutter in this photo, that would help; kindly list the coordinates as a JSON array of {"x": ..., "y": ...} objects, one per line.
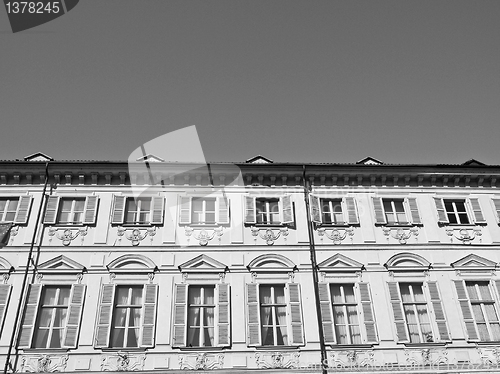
[
  {"x": 250, "y": 213},
  {"x": 223, "y": 203},
  {"x": 295, "y": 314},
  {"x": 223, "y": 315},
  {"x": 51, "y": 210},
  {"x": 180, "y": 315},
  {"x": 286, "y": 209},
  {"x": 314, "y": 204},
  {"x": 74, "y": 315},
  {"x": 90, "y": 213},
  {"x": 118, "y": 215},
  {"x": 5, "y": 290},
  {"x": 30, "y": 313},
  {"x": 149, "y": 315},
  {"x": 184, "y": 210},
  {"x": 23, "y": 210},
  {"x": 466, "y": 307},
  {"x": 476, "y": 210},
  {"x": 253, "y": 314},
  {"x": 105, "y": 310},
  {"x": 442, "y": 216},
  {"x": 439, "y": 315},
  {"x": 351, "y": 213},
  {"x": 379, "y": 211},
  {"x": 411, "y": 203},
  {"x": 496, "y": 205},
  {"x": 158, "y": 204},
  {"x": 397, "y": 309},
  {"x": 326, "y": 313},
  {"x": 368, "y": 315}
]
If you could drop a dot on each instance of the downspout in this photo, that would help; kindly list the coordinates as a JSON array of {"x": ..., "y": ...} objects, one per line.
[
  {"x": 314, "y": 265},
  {"x": 24, "y": 294}
]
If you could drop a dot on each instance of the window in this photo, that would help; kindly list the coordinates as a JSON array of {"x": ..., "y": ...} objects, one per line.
[
  {"x": 5, "y": 290},
  {"x": 15, "y": 209},
  {"x": 274, "y": 315},
  {"x": 138, "y": 211},
  {"x": 496, "y": 208},
  {"x": 71, "y": 210},
  {"x": 204, "y": 210},
  {"x": 347, "y": 313},
  {"x": 394, "y": 212},
  {"x": 201, "y": 315},
  {"x": 459, "y": 211},
  {"x": 411, "y": 310},
  {"x": 268, "y": 211},
  {"x": 335, "y": 212},
  {"x": 126, "y": 317},
  {"x": 52, "y": 317},
  {"x": 478, "y": 310}
]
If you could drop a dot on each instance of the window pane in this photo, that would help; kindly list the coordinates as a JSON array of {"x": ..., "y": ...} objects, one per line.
[
  {"x": 56, "y": 339},
  {"x": 117, "y": 337},
  {"x": 209, "y": 295},
  {"x": 49, "y": 296},
  {"x": 194, "y": 295},
  {"x": 423, "y": 316},
  {"x": 66, "y": 205},
  {"x": 478, "y": 313},
  {"x": 484, "y": 291},
  {"x": 3, "y": 204},
  {"x": 405, "y": 292},
  {"x": 210, "y": 218},
  {"x": 336, "y": 294},
  {"x": 341, "y": 333},
  {"x": 210, "y": 205},
  {"x": 464, "y": 219},
  {"x": 60, "y": 317},
  {"x": 45, "y": 317},
  {"x": 483, "y": 332},
  {"x": 339, "y": 315},
  {"x": 136, "y": 296},
  {"x": 64, "y": 296},
  {"x": 495, "y": 331},
  {"x": 471, "y": 291},
  {"x": 209, "y": 337},
  {"x": 120, "y": 317},
  {"x": 265, "y": 295},
  {"x": 460, "y": 206},
  {"x": 490, "y": 312},
  {"x": 387, "y": 206},
  {"x": 122, "y": 295},
  {"x": 145, "y": 204},
  {"x": 349, "y": 293},
  {"x": 352, "y": 315},
  {"x": 279, "y": 294},
  {"x": 414, "y": 333},
  {"x": 41, "y": 337},
  {"x": 410, "y": 314},
  {"x": 133, "y": 338},
  {"x": 418, "y": 293}
]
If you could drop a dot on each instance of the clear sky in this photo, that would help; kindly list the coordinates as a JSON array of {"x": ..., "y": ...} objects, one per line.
[{"x": 294, "y": 80}]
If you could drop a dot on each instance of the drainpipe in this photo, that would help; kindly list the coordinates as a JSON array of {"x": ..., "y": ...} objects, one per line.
[
  {"x": 24, "y": 288},
  {"x": 314, "y": 264}
]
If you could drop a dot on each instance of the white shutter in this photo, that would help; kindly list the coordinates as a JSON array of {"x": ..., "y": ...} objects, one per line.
[
  {"x": 296, "y": 320},
  {"x": 184, "y": 210},
  {"x": 465, "y": 306},
  {"x": 30, "y": 313},
  {"x": 397, "y": 309},
  {"x": 253, "y": 315},
  {"x": 180, "y": 315},
  {"x": 90, "y": 212},
  {"x": 326, "y": 313},
  {"x": 223, "y": 208},
  {"x": 496, "y": 207},
  {"x": 149, "y": 315},
  {"x": 158, "y": 207},
  {"x": 439, "y": 315},
  {"x": 250, "y": 211},
  {"x": 379, "y": 211},
  {"x": 5, "y": 290},
  {"x": 104, "y": 316},
  {"x": 23, "y": 209},
  {"x": 286, "y": 209},
  {"x": 351, "y": 211},
  {"x": 368, "y": 314},
  {"x": 223, "y": 315},
  {"x": 477, "y": 214},
  {"x": 442, "y": 216},
  {"x": 51, "y": 210},
  {"x": 74, "y": 315},
  {"x": 411, "y": 204},
  {"x": 118, "y": 214},
  {"x": 314, "y": 204}
]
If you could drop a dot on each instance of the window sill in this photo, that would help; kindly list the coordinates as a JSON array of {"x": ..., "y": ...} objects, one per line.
[
  {"x": 46, "y": 350},
  {"x": 137, "y": 224},
  {"x": 352, "y": 346},
  {"x": 124, "y": 349},
  {"x": 277, "y": 347},
  {"x": 197, "y": 349},
  {"x": 204, "y": 225},
  {"x": 493, "y": 342},
  {"x": 425, "y": 345},
  {"x": 399, "y": 225}
]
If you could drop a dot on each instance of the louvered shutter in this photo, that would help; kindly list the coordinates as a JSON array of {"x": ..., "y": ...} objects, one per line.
[
  {"x": 326, "y": 313},
  {"x": 250, "y": 213},
  {"x": 466, "y": 307},
  {"x": 253, "y": 314},
  {"x": 5, "y": 290},
  {"x": 74, "y": 315},
  {"x": 439, "y": 315},
  {"x": 105, "y": 313},
  {"x": 180, "y": 315},
  {"x": 184, "y": 210},
  {"x": 379, "y": 211},
  {"x": 30, "y": 313},
  {"x": 223, "y": 334},
  {"x": 286, "y": 209},
  {"x": 442, "y": 216},
  {"x": 118, "y": 215},
  {"x": 411, "y": 203},
  {"x": 397, "y": 309},
  {"x": 23, "y": 209},
  {"x": 496, "y": 205},
  {"x": 351, "y": 213},
  {"x": 476, "y": 210},
  {"x": 368, "y": 314},
  {"x": 296, "y": 320},
  {"x": 51, "y": 210},
  {"x": 149, "y": 315},
  {"x": 158, "y": 204},
  {"x": 314, "y": 204},
  {"x": 223, "y": 207},
  {"x": 90, "y": 213}
]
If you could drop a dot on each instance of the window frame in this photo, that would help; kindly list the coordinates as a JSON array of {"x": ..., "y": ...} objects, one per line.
[
  {"x": 119, "y": 211},
  {"x": 53, "y": 210},
  {"x": 21, "y": 215},
  {"x": 410, "y": 206},
  {"x": 285, "y": 210},
  {"x": 186, "y": 211},
  {"x": 348, "y": 205},
  {"x": 473, "y": 209}
]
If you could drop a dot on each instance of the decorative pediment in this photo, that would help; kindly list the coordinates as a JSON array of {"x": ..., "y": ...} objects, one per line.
[
  {"x": 473, "y": 162},
  {"x": 474, "y": 262},
  {"x": 39, "y": 156},
  {"x": 60, "y": 264},
  {"x": 132, "y": 263},
  {"x": 203, "y": 263},
  {"x": 340, "y": 262},
  {"x": 5, "y": 266},
  {"x": 369, "y": 161},
  {"x": 271, "y": 262},
  {"x": 150, "y": 158},
  {"x": 259, "y": 160},
  {"x": 407, "y": 262}
]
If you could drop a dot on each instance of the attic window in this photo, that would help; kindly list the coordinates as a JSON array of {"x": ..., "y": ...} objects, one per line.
[
  {"x": 259, "y": 160},
  {"x": 369, "y": 161}
]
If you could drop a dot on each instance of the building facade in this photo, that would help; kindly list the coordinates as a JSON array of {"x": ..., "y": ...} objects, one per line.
[{"x": 161, "y": 266}]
